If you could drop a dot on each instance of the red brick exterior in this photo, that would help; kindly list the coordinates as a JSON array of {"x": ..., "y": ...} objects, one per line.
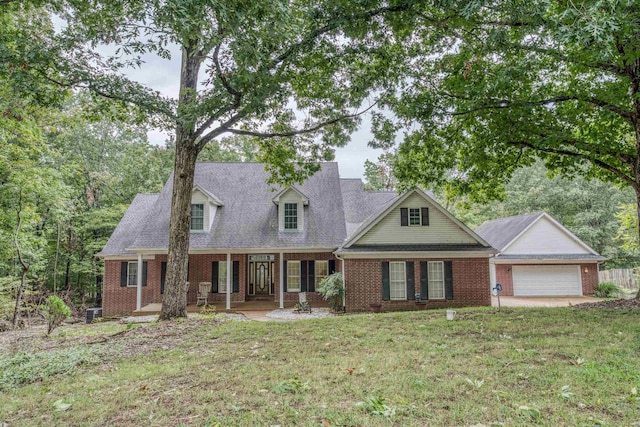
[
  {"x": 504, "y": 277},
  {"x": 117, "y": 300},
  {"x": 589, "y": 278},
  {"x": 364, "y": 284}
]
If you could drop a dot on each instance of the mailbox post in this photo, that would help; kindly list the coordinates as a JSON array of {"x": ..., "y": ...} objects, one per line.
[{"x": 497, "y": 291}]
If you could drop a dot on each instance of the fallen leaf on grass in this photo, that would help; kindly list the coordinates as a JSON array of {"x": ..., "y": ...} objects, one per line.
[{"x": 60, "y": 406}]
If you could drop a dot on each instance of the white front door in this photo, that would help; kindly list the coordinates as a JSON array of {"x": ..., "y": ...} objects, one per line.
[{"x": 546, "y": 280}]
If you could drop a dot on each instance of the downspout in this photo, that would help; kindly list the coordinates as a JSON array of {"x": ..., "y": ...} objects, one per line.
[
  {"x": 229, "y": 273},
  {"x": 139, "y": 283},
  {"x": 344, "y": 279}
]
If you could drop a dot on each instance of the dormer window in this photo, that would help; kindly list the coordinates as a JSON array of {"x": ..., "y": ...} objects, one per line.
[
  {"x": 290, "y": 203},
  {"x": 290, "y": 216},
  {"x": 197, "y": 217}
]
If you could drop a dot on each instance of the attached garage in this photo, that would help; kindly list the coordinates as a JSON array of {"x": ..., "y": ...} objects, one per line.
[
  {"x": 539, "y": 257},
  {"x": 546, "y": 280}
]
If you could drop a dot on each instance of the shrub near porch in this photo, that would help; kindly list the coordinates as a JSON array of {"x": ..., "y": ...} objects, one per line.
[{"x": 516, "y": 367}]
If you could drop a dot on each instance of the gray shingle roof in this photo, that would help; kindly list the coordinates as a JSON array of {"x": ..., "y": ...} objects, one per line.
[
  {"x": 360, "y": 205},
  {"x": 248, "y": 217},
  {"x": 130, "y": 224},
  {"x": 587, "y": 257},
  {"x": 499, "y": 232}
]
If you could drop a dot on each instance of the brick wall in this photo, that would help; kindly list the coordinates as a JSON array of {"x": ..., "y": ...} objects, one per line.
[
  {"x": 293, "y": 296},
  {"x": 119, "y": 300},
  {"x": 504, "y": 277},
  {"x": 364, "y": 284},
  {"x": 589, "y": 278}
]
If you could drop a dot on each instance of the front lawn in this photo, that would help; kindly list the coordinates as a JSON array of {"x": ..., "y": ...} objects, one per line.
[{"x": 519, "y": 366}]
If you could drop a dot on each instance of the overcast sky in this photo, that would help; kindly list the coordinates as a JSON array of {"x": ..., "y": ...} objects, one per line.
[{"x": 163, "y": 75}]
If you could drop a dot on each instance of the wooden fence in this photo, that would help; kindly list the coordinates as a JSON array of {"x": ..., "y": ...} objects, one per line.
[{"x": 625, "y": 278}]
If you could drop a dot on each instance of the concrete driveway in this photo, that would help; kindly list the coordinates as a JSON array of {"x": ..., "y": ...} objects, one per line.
[{"x": 541, "y": 301}]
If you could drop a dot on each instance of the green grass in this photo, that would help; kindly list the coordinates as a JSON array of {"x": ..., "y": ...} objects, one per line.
[{"x": 515, "y": 367}]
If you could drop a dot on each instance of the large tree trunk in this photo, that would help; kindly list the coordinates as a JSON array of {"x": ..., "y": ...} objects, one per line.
[{"x": 174, "y": 302}]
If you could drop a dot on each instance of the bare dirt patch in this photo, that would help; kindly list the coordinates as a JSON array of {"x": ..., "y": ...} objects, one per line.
[{"x": 633, "y": 303}]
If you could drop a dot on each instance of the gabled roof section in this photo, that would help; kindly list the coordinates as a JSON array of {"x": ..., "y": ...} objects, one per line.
[
  {"x": 279, "y": 194},
  {"x": 372, "y": 221},
  {"x": 213, "y": 199},
  {"x": 130, "y": 226},
  {"x": 504, "y": 232}
]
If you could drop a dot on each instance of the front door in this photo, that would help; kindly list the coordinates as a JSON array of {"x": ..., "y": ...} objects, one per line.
[
  {"x": 263, "y": 279},
  {"x": 261, "y": 274}
]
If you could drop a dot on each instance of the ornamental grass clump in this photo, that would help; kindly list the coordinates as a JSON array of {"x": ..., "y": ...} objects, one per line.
[
  {"x": 607, "y": 290},
  {"x": 332, "y": 290}
]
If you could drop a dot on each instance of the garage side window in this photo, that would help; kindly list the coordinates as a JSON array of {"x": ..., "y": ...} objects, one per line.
[{"x": 436, "y": 279}]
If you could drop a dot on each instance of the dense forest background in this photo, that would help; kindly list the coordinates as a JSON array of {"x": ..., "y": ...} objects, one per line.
[{"x": 66, "y": 179}]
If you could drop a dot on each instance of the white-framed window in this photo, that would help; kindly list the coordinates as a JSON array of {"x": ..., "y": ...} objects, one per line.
[
  {"x": 293, "y": 276},
  {"x": 222, "y": 277},
  {"x": 322, "y": 271},
  {"x": 132, "y": 274},
  {"x": 436, "y": 279},
  {"x": 290, "y": 216},
  {"x": 398, "y": 280},
  {"x": 197, "y": 217},
  {"x": 414, "y": 216}
]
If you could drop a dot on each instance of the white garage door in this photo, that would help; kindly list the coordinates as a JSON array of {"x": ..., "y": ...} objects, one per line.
[{"x": 546, "y": 280}]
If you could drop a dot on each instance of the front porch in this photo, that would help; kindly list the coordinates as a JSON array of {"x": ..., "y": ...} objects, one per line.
[{"x": 239, "y": 306}]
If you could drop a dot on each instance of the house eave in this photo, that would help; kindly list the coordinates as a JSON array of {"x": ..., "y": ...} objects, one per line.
[{"x": 413, "y": 254}]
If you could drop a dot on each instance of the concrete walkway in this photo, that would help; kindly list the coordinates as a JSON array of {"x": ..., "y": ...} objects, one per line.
[{"x": 541, "y": 301}]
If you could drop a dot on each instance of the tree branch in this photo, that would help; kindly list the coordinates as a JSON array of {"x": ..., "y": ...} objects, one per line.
[
  {"x": 620, "y": 174},
  {"x": 299, "y": 131},
  {"x": 506, "y": 104}
]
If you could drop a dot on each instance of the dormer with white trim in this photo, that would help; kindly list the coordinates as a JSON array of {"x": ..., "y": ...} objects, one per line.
[
  {"x": 290, "y": 202},
  {"x": 204, "y": 206}
]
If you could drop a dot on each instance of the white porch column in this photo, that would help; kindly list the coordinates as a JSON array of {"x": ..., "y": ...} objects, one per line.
[
  {"x": 139, "y": 283},
  {"x": 492, "y": 273},
  {"x": 229, "y": 273},
  {"x": 282, "y": 273}
]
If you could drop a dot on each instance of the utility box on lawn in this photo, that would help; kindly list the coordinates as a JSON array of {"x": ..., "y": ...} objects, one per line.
[{"x": 93, "y": 313}]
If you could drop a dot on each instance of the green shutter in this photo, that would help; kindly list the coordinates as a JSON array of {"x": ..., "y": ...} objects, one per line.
[
  {"x": 424, "y": 280},
  {"x": 144, "y": 273},
  {"x": 284, "y": 276},
  {"x": 303, "y": 276},
  {"x": 386, "y": 290},
  {"x": 411, "y": 281},
  {"x": 404, "y": 217},
  {"x": 425, "y": 216},
  {"x": 214, "y": 277},
  {"x": 163, "y": 276},
  {"x": 332, "y": 266},
  {"x": 311, "y": 272},
  {"x": 124, "y": 272},
  {"x": 448, "y": 280},
  {"x": 236, "y": 277}
]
